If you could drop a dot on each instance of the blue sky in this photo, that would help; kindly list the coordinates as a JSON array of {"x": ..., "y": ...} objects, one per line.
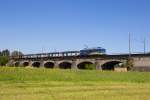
[{"x": 30, "y": 25}]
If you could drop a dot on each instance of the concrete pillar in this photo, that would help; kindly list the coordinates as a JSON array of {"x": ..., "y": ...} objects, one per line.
[
  {"x": 41, "y": 64},
  {"x": 98, "y": 65},
  {"x": 21, "y": 63},
  {"x": 56, "y": 64},
  {"x": 74, "y": 65},
  {"x": 10, "y": 63},
  {"x": 30, "y": 64}
]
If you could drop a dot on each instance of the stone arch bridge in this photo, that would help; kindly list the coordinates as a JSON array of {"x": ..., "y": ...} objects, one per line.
[{"x": 102, "y": 62}]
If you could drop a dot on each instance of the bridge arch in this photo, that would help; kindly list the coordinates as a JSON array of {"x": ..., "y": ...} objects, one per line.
[
  {"x": 36, "y": 64},
  {"x": 84, "y": 64},
  {"x": 49, "y": 64},
  {"x": 110, "y": 65},
  {"x": 17, "y": 64},
  {"x": 25, "y": 64},
  {"x": 65, "y": 65}
]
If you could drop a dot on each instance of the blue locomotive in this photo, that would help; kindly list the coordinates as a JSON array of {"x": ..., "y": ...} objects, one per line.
[{"x": 93, "y": 51}]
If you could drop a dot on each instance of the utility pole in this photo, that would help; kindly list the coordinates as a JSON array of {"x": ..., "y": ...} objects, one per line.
[
  {"x": 42, "y": 52},
  {"x": 129, "y": 45},
  {"x": 129, "y": 60},
  {"x": 42, "y": 49},
  {"x": 42, "y": 55},
  {"x": 18, "y": 54},
  {"x": 144, "y": 42}
]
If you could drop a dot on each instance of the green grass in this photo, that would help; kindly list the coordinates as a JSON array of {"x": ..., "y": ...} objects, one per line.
[{"x": 48, "y": 84}]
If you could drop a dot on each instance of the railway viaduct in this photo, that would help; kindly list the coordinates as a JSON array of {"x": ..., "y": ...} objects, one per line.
[{"x": 72, "y": 60}]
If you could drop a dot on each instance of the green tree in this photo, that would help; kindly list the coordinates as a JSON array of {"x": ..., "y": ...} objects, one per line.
[
  {"x": 129, "y": 63},
  {"x": 4, "y": 57},
  {"x": 16, "y": 53},
  {"x": 4, "y": 60},
  {"x": 90, "y": 66},
  {"x": 5, "y": 53}
]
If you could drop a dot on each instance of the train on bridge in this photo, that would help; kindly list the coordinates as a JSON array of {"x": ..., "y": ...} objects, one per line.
[
  {"x": 83, "y": 52},
  {"x": 93, "y": 51}
]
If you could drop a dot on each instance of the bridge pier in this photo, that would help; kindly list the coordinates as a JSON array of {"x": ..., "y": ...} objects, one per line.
[
  {"x": 98, "y": 65},
  {"x": 21, "y": 63},
  {"x": 42, "y": 64},
  {"x": 74, "y": 65},
  {"x": 56, "y": 64},
  {"x": 30, "y": 64}
]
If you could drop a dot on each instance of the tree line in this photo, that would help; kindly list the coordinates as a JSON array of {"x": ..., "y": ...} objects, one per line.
[{"x": 5, "y": 55}]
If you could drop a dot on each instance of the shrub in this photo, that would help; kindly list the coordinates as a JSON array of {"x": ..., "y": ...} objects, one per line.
[
  {"x": 129, "y": 63},
  {"x": 3, "y": 60},
  {"x": 90, "y": 66}
]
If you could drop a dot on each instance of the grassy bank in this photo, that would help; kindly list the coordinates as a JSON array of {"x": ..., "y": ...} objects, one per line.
[{"x": 47, "y": 84}]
